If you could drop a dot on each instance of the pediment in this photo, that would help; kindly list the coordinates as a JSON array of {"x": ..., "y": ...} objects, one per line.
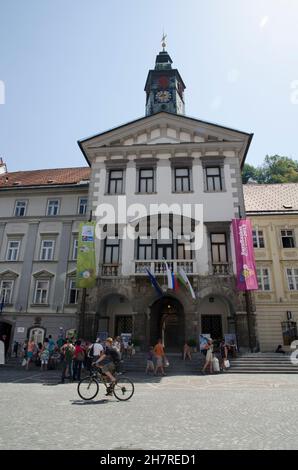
[
  {"x": 162, "y": 128},
  {"x": 43, "y": 274},
  {"x": 8, "y": 274},
  {"x": 72, "y": 273}
]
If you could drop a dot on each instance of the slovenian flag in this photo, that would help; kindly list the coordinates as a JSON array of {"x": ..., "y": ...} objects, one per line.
[
  {"x": 185, "y": 281},
  {"x": 154, "y": 282},
  {"x": 170, "y": 276}
]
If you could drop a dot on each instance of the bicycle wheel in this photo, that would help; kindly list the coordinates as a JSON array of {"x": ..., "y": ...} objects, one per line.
[
  {"x": 123, "y": 389},
  {"x": 88, "y": 388}
]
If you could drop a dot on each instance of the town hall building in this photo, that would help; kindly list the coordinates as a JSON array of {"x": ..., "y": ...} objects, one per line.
[{"x": 167, "y": 157}]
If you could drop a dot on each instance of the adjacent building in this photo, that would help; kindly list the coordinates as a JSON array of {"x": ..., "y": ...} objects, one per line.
[
  {"x": 273, "y": 210},
  {"x": 39, "y": 216}
]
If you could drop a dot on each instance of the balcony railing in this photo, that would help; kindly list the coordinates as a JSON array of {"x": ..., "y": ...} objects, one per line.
[
  {"x": 158, "y": 267},
  {"x": 110, "y": 269},
  {"x": 223, "y": 269}
]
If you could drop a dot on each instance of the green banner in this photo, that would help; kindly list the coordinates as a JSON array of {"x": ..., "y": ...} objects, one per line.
[{"x": 86, "y": 265}]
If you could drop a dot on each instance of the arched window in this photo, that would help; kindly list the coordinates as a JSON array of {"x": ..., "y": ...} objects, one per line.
[{"x": 37, "y": 334}]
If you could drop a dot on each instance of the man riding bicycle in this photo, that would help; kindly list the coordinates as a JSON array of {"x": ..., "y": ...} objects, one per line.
[{"x": 108, "y": 362}]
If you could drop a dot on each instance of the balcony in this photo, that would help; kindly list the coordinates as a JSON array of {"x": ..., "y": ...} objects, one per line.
[
  {"x": 221, "y": 269},
  {"x": 158, "y": 267},
  {"x": 110, "y": 270}
]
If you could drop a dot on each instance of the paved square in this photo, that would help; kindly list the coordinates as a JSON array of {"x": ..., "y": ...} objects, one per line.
[{"x": 175, "y": 412}]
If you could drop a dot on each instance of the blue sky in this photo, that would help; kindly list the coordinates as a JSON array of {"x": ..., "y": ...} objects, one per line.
[{"x": 73, "y": 68}]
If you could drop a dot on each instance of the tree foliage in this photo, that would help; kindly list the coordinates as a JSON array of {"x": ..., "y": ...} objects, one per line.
[{"x": 275, "y": 169}]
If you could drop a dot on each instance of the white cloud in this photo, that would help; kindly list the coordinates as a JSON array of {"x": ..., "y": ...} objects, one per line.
[{"x": 263, "y": 22}]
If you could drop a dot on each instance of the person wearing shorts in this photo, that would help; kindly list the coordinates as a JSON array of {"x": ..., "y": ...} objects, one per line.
[
  {"x": 159, "y": 356},
  {"x": 107, "y": 362},
  {"x": 30, "y": 351}
]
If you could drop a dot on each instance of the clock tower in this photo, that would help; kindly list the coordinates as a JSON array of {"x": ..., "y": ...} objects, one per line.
[{"x": 164, "y": 86}]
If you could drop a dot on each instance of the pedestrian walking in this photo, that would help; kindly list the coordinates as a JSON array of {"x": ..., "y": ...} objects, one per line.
[
  {"x": 186, "y": 352},
  {"x": 44, "y": 356},
  {"x": 209, "y": 356},
  {"x": 30, "y": 351},
  {"x": 78, "y": 359},
  {"x": 223, "y": 354},
  {"x": 67, "y": 351},
  {"x": 159, "y": 356},
  {"x": 150, "y": 359}
]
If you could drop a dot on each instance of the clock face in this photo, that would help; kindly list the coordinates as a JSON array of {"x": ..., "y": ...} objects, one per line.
[{"x": 163, "y": 96}]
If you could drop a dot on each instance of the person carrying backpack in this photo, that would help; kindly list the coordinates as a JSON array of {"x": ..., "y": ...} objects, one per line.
[
  {"x": 67, "y": 352},
  {"x": 108, "y": 362},
  {"x": 78, "y": 359}
]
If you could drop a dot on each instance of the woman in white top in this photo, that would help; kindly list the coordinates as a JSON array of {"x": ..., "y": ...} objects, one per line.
[{"x": 209, "y": 356}]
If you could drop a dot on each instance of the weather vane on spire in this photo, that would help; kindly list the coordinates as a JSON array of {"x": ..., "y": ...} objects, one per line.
[{"x": 163, "y": 41}]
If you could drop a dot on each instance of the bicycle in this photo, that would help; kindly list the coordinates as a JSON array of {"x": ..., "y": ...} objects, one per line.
[{"x": 88, "y": 388}]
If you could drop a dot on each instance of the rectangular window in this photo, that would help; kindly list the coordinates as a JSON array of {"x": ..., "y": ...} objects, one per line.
[
  {"x": 75, "y": 249},
  {"x": 213, "y": 177},
  {"x": 6, "y": 292},
  {"x": 115, "y": 182},
  {"x": 13, "y": 250},
  {"x": 219, "y": 248},
  {"x": 258, "y": 239},
  {"x": 287, "y": 238},
  {"x": 182, "y": 179},
  {"x": 182, "y": 252},
  {"x": 144, "y": 248},
  {"x": 292, "y": 276},
  {"x": 146, "y": 180},
  {"x": 53, "y": 207},
  {"x": 41, "y": 292},
  {"x": 73, "y": 292},
  {"x": 20, "y": 208},
  {"x": 47, "y": 250},
  {"x": 263, "y": 278},
  {"x": 111, "y": 251},
  {"x": 83, "y": 201}
]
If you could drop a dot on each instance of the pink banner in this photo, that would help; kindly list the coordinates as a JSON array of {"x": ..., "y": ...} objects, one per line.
[{"x": 245, "y": 260}]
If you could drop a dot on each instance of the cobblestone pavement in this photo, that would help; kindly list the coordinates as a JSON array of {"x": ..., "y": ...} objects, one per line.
[{"x": 175, "y": 412}]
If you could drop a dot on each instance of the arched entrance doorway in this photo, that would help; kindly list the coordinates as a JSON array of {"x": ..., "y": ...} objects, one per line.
[
  {"x": 167, "y": 322},
  {"x": 114, "y": 316},
  {"x": 216, "y": 316},
  {"x": 5, "y": 334}
]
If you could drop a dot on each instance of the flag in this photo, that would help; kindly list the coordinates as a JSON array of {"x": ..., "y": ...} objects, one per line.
[
  {"x": 171, "y": 284},
  {"x": 154, "y": 282},
  {"x": 2, "y": 304},
  {"x": 175, "y": 281},
  {"x": 185, "y": 281},
  {"x": 244, "y": 250}
]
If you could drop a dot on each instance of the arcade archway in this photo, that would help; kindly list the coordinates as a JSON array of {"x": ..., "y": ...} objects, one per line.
[{"x": 167, "y": 322}]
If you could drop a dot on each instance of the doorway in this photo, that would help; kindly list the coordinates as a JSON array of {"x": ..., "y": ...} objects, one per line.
[
  {"x": 212, "y": 324},
  {"x": 5, "y": 330},
  {"x": 167, "y": 323}
]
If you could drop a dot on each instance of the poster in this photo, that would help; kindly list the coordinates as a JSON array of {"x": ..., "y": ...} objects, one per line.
[
  {"x": 126, "y": 338},
  {"x": 244, "y": 251},
  {"x": 102, "y": 336},
  {"x": 203, "y": 340},
  {"x": 86, "y": 265},
  {"x": 230, "y": 339}
]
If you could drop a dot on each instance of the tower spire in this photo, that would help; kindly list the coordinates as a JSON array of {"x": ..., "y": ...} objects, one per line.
[{"x": 163, "y": 41}]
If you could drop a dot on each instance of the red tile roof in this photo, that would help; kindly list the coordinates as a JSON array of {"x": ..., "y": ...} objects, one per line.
[{"x": 56, "y": 176}]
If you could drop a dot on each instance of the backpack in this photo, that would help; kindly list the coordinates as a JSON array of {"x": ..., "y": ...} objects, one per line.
[
  {"x": 114, "y": 354},
  {"x": 91, "y": 352}
]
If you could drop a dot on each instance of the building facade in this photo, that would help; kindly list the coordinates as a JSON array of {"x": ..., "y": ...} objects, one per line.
[
  {"x": 166, "y": 158},
  {"x": 273, "y": 210},
  {"x": 39, "y": 216}
]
